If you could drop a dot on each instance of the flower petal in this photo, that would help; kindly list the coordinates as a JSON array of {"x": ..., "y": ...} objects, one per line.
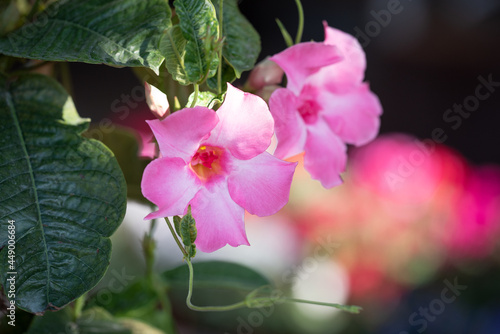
[
  {"x": 219, "y": 220},
  {"x": 304, "y": 59},
  {"x": 325, "y": 156},
  {"x": 170, "y": 184},
  {"x": 352, "y": 67},
  {"x": 289, "y": 126},
  {"x": 245, "y": 127},
  {"x": 261, "y": 185},
  {"x": 352, "y": 115},
  {"x": 179, "y": 134}
]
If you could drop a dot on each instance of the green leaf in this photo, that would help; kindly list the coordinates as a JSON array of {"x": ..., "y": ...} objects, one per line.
[
  {"x": 188, "y": 228},
  {"x": 173, "y": 48},
  {"x": 205, "y": 99},
  {"x": 177, "y": 224},
  {"x": 242, "y": 41},
  {"x": 135, "y": 300},
  {"x": 116, "y": 32},
  {"x": 66, "y": 194},
  {"x": 188, "y": 233},
  {"x": 200, "y": 28}
]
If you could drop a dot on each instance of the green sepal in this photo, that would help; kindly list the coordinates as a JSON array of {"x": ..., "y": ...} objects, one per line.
[
  {"x": 177, "y": 225},
  {"x": 188, "y": 229}
]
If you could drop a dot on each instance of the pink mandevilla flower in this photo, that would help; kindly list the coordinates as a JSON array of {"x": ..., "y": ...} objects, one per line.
[
  {"x": 217, "y": 163},
  {"x": 325, "y": 104}
]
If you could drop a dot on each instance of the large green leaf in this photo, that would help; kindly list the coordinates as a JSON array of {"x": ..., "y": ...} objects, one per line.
[
  {"x": 173, "y": 48},
  {"x": 135, "y": 300},
  {"x": 200, "y": 28},
  {"x": 242, "y": 41},
  {"x": 116, "y": 32},
  {"x": 66, "y": 194}
]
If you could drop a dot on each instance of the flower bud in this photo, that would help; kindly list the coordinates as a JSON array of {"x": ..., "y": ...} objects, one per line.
[
  {"x": 266, "y": 73},
  {"x": 157, "y": 101}
]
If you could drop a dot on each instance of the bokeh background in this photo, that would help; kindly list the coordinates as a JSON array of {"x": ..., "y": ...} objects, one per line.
[{"x": 412, "y": 235}]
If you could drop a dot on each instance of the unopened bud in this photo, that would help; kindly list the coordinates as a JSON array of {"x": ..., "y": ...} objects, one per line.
[
  {"x": 157, "y": 101},
  {"x": 266, "y": 73}
]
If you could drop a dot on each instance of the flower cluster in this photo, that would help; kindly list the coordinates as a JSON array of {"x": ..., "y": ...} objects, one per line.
[
  {"x": 217, "y": 163},
  {"x": 325, "y": 104}
]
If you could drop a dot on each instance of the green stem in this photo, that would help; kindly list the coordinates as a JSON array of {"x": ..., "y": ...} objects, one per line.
[
  {"x": 206, "y": 308},
  {"x": 65, "y": 76},
  {"x": 221, "y": 36},
  {"x": 196, "y": 92},
  {"x": 300, "y": 29},
  {"x": 78, "y": 306},
  {"x": 152, "y": 227},
  {"x": 159, "y": 288},
  {"x": 181, "y": 247},
  {"x": 191, "y": 279},
  {"x": 149, "y": 250},
  {"x": 348, "y": 308}
]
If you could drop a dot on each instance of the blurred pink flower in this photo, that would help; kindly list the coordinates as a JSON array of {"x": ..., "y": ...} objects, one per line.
[
  {"x": 477, "y": 214},
  {"x": 325, "y": 104},
  {"x": 398, "y": 168},
  {"x": 136, "y": 121},
  {"x": 216, "y": 162}
]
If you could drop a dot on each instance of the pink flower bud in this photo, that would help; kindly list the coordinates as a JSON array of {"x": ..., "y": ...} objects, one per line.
[
  {"x": 266, "y": 73},
  {"x": 157, "y": 101}
]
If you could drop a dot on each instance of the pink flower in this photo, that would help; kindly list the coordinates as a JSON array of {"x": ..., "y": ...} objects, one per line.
[
  {"x": 477, "y": 214},
  {"x": 325, "y": 104},
  {"x": 216, "y": 162}
]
